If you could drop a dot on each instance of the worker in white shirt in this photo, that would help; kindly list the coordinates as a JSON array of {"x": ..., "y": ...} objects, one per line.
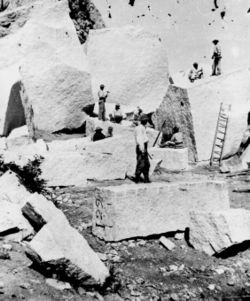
[
  {"x": 141, "y": 139},
  {"x": 102, "y": 95},
  {"x": 216, "y": 57},
  {"x": 117, "y": 115}
]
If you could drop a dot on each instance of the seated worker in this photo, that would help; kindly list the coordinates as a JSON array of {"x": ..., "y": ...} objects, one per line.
[
  {"x": 195, "y": 73},
  {"x": 117, "y": 115},
  {"x": 176, "y": 140},
  {"x": 98, "y": 135}
]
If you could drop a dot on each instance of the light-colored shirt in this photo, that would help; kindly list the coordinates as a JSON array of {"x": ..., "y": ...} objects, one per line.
[
  {"x": 117, "y": 113},
  {"x": 177, "y": 138},
  {"x": 102, "y": 94},
  {"x": 141, "y": 136},
  {"x": 217, "y": 51}
]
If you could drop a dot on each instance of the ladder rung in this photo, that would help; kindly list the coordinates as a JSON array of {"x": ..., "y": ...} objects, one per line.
[
  {"x": 216, "y": 152},
  {"x": 219, "y": 145},
  {"x": 221, "y": 139},
  {"x": 223, "y": 118},
  {"x": 222, "y": 125},
  {"x": 221, "y": 132},
  {"x": 216, "y": 159}
]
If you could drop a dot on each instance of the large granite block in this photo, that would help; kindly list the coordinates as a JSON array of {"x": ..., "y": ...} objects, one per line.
[{"x": 134, "y": 210}]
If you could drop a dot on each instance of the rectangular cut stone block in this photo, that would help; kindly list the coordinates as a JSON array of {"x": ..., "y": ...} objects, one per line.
[
  {"x": 213, "y": 232},
  {"x": 172, "y": 159},
  {"x": 132, "y": 210}
]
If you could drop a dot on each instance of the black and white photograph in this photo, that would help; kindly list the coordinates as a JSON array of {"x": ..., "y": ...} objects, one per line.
[{"x": 125, "y": 150}]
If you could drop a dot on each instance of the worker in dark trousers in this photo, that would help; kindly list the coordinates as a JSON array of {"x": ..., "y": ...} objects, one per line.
[
  {"x": 102, "y": 95},
  {"x": 216, "y": 57},
  {"x": 141, "y": 139}
]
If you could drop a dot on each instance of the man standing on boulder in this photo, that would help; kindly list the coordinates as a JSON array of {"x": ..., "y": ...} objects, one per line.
[
  {"x": 216, "y": 68},
  {"x": 141, "y": 139},
  {"x": 102, "y": 95}
]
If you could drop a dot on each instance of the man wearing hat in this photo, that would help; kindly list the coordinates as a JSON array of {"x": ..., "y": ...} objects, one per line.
[
  {"x": 141, "y": 139},
  {"x": 102, "y": 95},
  {"x": 98, "y": 135},
  {"x": 216, "y": 67}
]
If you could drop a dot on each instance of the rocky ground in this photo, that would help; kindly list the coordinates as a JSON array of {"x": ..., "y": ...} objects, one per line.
[{"x": 142, "y": 269}]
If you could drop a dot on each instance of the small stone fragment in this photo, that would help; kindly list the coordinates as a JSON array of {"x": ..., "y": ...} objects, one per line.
[
  {"x": 167, "y": 243},
  {"x": 211, "y": 287},
  {"x": 7, "y": 247},
  {"x": 173, "y": 268},
  {"x": 102, "y": 256},
  {"x": 59, "y": 285}
]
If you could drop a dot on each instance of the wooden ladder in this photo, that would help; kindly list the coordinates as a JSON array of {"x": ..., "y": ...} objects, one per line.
[{"x": 220, "y": 135}]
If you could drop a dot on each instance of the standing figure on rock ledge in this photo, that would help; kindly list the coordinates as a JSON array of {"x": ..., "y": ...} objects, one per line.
[
  {"x": 216, "y": 67},
  {"x": 141, "y": 139},
  {"x": 102, "y": 95}
]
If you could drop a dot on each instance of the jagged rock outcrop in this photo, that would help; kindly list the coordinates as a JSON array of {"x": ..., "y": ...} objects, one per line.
[
  {"x": 132, "y": 63},
  {"x": 175, "y": 110}
]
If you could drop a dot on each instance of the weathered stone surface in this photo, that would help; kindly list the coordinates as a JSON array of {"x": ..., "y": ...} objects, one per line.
[
  {"x": 176, "y": 111},
  {"x": 132, "y": 80},
  {"x": 70, "y": 145},
  {"x": 12, "y": 190},
  {"x": 54, "y": 72},
  {"x": 39, "y": 211},
  {"x": 213, "y": 232},
  {"x": 25, "y": 146},
  {"x": 205, "y": 102},
  {"x": 12, "y": 220},
  {"x": 172, "y": 159},
  {"x": 140, "y": 210},
  {"x": 72, "y": 168},
  {"x": 61, "y": 247},
  {"x": 12, "y": 112}
]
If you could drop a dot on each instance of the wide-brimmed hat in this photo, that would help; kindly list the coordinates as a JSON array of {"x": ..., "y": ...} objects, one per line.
[{"x": 215, "y": 41}]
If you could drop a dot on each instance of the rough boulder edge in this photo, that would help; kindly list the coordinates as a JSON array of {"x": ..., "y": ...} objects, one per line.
[
  {"x": 214, "y": 232},
  {"x": 60, "y": 247},
  {"x": 54, "y": 72},
  {"x": 127, "y": 211}
]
